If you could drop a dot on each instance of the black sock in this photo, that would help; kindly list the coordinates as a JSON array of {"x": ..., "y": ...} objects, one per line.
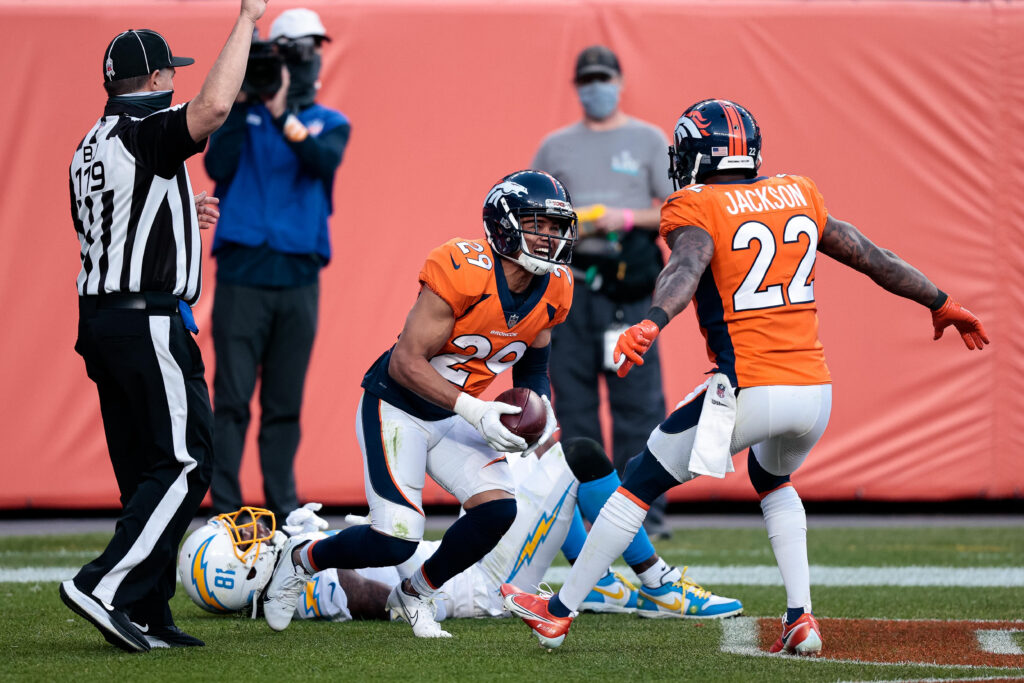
[{"x": 470, "y": 538}]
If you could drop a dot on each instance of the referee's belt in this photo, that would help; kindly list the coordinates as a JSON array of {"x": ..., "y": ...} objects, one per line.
[{"x": 138, "y": 301}]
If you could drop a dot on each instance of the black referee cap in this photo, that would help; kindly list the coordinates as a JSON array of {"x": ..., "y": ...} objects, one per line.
[{"x": 138, "y": 53}]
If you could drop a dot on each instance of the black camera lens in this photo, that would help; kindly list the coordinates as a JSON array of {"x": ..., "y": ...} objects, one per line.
[{"x": 263, "y": 70}]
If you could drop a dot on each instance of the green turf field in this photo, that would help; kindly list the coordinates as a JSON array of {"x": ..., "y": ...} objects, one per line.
[{"x": 42, "y": 640}]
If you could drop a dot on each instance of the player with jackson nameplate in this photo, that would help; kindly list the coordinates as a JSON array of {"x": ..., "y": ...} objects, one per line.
[{"x": 744, "y": 247}]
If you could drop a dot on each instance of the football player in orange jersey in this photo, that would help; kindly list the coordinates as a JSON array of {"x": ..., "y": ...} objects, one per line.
[
  {"x": 743, "y": 249},
  {"x": 483, "y": 307}
]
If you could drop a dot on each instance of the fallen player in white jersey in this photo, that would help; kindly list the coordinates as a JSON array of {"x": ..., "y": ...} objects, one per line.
[{"x": 223, "y": 569}]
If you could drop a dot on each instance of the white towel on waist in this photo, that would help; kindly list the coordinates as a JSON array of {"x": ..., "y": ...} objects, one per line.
[{"x": 711, "y": 453}]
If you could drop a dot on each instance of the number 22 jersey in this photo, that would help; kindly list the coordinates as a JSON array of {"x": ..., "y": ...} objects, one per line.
[
  {"x": 493, "y": 326},
  {"x": 755, "y": 301}
]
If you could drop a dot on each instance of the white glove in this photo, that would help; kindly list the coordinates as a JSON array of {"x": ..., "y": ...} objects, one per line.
[
  {"x": 304, "y": 520},
  {"x": 485, "y": 416},
  {"x": 550, "y": 427}
]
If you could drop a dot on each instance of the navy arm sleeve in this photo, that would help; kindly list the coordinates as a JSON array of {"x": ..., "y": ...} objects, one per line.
[
  {"x": 226, "y": 143},
  {"x": 532, "y": 371},
  {"x": 321, "y": 155}
]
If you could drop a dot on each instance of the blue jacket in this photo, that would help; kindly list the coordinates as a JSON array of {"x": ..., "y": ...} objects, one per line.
[{"x": 272, "y": 199}]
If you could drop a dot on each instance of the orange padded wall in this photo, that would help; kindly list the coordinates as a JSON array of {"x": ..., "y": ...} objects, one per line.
[{"x": 909, "y": 116}]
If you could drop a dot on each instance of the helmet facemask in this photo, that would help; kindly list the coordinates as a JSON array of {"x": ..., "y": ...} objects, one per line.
[
  {"x": 249, "y": 531},
  {"x": 558, "y": 247}
]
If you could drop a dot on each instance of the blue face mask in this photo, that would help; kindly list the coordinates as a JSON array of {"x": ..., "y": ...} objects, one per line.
[{"x": 599, "y": 100}]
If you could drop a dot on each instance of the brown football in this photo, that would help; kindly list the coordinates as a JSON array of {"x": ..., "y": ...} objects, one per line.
[{"x": 530, "y": 423}]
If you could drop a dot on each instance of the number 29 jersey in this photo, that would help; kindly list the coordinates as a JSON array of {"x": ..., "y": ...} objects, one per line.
[
  {"x": 755, "y": 301},
  {"x": 493, "y": 327}
]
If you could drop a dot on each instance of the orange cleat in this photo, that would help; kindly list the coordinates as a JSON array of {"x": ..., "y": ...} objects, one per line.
[
  {"x": 802, "y": 637},
  {"x": 533, "y": 609}
]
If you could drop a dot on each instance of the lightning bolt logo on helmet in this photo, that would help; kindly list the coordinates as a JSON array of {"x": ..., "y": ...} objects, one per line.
[{"x": 229, "y": 560}]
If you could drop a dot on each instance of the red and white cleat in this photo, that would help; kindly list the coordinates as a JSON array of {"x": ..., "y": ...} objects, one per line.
[
  {"x": 802, "y": 637},
  {"x": 533, "y": 609}
]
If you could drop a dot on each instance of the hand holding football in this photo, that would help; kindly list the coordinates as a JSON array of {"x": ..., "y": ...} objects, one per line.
[{"x": 528, "y": 424}]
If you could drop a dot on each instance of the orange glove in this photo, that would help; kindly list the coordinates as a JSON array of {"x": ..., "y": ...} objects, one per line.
[
  {"x": 966, "y": 323},
  {"x": 633, "y": 344}
]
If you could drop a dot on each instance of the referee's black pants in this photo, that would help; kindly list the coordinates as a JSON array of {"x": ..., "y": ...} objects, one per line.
[{"x": 158, "y": 424}]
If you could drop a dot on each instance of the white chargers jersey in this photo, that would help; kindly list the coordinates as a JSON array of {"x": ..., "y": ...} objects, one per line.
[{"x": 545, "y": 499}]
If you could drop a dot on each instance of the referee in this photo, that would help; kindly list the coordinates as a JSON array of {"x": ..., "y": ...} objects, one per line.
[{"x": 132, "y": 206}]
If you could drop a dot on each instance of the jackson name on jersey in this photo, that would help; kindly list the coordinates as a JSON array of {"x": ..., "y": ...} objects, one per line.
[{"x": 755, "y": 301}]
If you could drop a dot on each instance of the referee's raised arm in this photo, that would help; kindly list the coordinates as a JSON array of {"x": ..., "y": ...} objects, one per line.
[{"x": 211, "y": 106}]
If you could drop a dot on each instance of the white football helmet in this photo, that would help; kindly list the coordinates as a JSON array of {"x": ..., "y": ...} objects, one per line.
[{"x": 225, "y": 564}]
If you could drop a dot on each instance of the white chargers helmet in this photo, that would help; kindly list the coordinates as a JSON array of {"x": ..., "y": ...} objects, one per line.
[{"x": 225, "y": 564}]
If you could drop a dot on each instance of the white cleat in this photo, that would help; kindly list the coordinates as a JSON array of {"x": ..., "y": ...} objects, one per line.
[
  {"x": 417, "y": 611},
  {"x": 285, "y": 587}
]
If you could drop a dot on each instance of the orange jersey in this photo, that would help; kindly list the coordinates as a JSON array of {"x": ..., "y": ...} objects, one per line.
[
  {"x": 492, "y": 330},
  {"x": 755, "y": 301}
]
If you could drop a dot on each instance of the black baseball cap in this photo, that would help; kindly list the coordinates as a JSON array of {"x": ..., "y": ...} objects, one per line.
[
  {"x": 138, "y": 53},
  {"x": 597, "y": 59}
]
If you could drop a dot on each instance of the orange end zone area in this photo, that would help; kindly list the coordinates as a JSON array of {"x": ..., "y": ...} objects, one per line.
[{"x": 945, "y": 643}]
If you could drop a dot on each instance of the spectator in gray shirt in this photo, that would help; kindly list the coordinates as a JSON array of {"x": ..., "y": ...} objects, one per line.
[{"x": 616, "y": 169}]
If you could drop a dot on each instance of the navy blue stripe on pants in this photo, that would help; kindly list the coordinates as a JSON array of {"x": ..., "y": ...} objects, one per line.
[{"x": 376, "y": 459}]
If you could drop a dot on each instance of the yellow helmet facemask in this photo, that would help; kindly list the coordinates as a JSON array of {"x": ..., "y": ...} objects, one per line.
[{"x": 248, "y": 527}]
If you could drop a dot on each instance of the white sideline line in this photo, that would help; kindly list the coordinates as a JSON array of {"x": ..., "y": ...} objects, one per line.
[
  {"x": 36, "y": 574},
  {"x": 768, "y": 575},
  {"x": 999, "y": 642},
  {"x": 711, "y": 575}
]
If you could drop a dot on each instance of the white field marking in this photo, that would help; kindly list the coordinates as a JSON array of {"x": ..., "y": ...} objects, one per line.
[
  {"x": 36, "y": 574},
  {"x": 999, "y": 642},
  {"x": 757, "y": 575},
  {"x": 739, "y": 636},
  {"x": 768, "y": 575}
]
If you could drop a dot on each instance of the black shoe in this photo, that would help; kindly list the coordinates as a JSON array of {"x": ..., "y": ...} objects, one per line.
[
  {"x": 114, "y": 624},
  {"x": 169, "y": 636}
]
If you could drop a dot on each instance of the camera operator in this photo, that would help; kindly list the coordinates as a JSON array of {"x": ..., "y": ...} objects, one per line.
[{"x": 274, "y": 162}]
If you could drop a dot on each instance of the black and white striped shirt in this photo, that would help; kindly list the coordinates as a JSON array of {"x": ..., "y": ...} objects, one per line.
[{"x": 131, "y": 201}]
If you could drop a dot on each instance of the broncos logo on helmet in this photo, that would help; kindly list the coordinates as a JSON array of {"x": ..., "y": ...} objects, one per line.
[
  {"x": 505, "y": 188},
  {"x": 700, "y": 123},
  {"x": 714, "y": 136}
]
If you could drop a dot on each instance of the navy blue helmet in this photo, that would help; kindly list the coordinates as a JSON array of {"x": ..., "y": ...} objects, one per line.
[
  {"x": 714, "y": 136},
  {"x": 525, "y": 194}
]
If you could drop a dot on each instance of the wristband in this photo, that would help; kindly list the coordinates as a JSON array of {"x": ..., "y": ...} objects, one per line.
[
  {"x": 940, "y": 299},
  {"x": 293, "y": 129},
  {"x": 627, "y": 218},
  {"x": 658, "y": 316}
]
